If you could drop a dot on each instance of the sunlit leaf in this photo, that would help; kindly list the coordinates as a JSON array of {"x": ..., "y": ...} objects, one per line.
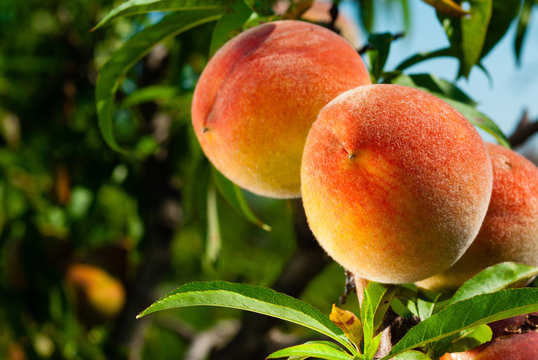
[
  {"x": 134, "y": 7},
  {"x": 412, "y": 355},
  {"x": 471, "y": 338},
  {"x": 317, "y": 349},
  {"x": 493, "y": 278},
  {"x": 251, "y": 298},
  {"x": 465, "y": 314},
  {"x": 214, "y": 241}
]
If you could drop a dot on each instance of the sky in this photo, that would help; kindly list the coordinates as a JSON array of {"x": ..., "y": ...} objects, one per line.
[{"x": 513, "y": 89}]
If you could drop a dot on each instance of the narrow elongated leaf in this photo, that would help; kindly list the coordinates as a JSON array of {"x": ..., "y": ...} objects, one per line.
[
  {"x": 318, "y": 349},
  {"x": 134, "y": 7},
  {"x": 471, "y": 339},
  {"x": 150, "y": 93},
  {"x": 229, "y": 25},
  {"x": 234, "y": 196},
  {"x": 502, "y": 15},
  {"x": 133, "y": 50},
  {"x": 473, "y": 31},
  {"x": 412, "y": 355},
  {"x": 371, "y": 348},
  {"x": 494, "y": 278},
  {"x": 440, "y": 86},
  {"x": 251, "y": 298},
  {"x": 214, "y": 241},
  {"x": 375, "y": 298},
  {"x": 417, "y": 58},
  {"x": 522, "y": 25},
  {"x": 462, "y": 315},
  {"x": 447, "y": 7}
]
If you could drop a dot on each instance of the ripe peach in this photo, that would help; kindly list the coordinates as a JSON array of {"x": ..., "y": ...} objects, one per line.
[
  {"x": 395, "y": 182},
  {"x": 510, "y": 229},
  {"x": 259, "y": 95}
]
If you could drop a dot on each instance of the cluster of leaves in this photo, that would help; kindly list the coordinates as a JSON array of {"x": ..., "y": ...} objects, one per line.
[{"x": 449, "y": 325}]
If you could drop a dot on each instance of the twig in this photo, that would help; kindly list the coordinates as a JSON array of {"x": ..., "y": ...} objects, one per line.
[{"x": 524, "y": 130}]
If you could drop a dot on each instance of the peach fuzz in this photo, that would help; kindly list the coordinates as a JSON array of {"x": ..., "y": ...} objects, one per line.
[
  {"x": 258, "y": 96},
  {"x": 510, "y": 229},
  {"x": 395, "y": 182}
]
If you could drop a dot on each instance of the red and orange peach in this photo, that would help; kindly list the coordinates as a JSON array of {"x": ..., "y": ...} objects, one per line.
[
  {"x": 395, "y": 182},
  {"x": 258, "y": 96},
  {"x": 510, "y": 229}
]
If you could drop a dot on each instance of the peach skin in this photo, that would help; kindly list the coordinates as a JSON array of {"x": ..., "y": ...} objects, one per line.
[
  {"x": 395, "y": 182},
  {"x": 510, "y": 229},
  {"x": 258, "y": 96}
]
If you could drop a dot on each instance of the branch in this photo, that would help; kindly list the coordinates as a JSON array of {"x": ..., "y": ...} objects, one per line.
[{"x": 524, "y": 130}]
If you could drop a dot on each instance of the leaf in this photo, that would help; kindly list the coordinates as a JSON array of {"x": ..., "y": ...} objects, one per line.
[
  {"x": 447, "y": 7},
  {"x": 465, "y": 314},
  {"x": 133, "y": 50},
  {"x": 349, "y": 323},
  {"x": 234, "y": 196},
  {"x": 440, "y": 86},
  {"x": 415, "y": 59},
  {"x": 373, "y": 308},
  {"x": 494, "y": 278},
  {"x": 371, "y": 348},
  {"x": 214, "y": 240},
  {"x": 251, "y": 298},
  {"x": 150, "y": 93},
  {"x": 229, "y": 25},
  {"x": 318, "y": 349},
  {"x": 502, "y": 15},
  {"x": 135, "y": 7},
  {"x": 262, "y": 7},
  {"x": 425, "y": 305},
  {"x": 473, "y": 31},
  {"x": 471, "y": 339},
  {"x": 367, "y": 14},
  {"x": 411, "y": 355},
  {"x": 522, "y": 25},
  {"x": 379, "y": 53}
]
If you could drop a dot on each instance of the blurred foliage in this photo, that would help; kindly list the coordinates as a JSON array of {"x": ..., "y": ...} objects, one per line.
[{"x": 67, "y": 198}]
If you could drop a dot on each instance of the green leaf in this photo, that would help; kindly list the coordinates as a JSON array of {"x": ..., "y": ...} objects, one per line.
[
  {"x": 465, "y": 314},
  {"x": 130, "y": 53},
  {"x": 366, "y": 12},
  {"x": 135, "y": 7},
  {"x": 234, "y": 196},
  {"x": 415, "y": 59},
  {"x": 471, "y": 339},
  {"x": 214, "y": 240},
  {"x": 494, "y": 278},
  {"x": 440, "y": 86},
  {"x": 150, "y": 93},
  {"x": 473, "y": 31},
  {"x": 262, "y": 7},
  {"x": 318, "y": 349},
  {"x": 229, "y": 25},
  {"x": 426, "y": 302},
  {"x": 502, "y": 15},
  {"x": 251, "y": 298},
  {"x": 371, "y": 349},
  {"x": 447, "y": 7},
  {"x": 522, "y": 25},
  {"x": 412, "y": 355},
  {"x": 376, "y": 300},
  {"x": 379, "y": 53}
]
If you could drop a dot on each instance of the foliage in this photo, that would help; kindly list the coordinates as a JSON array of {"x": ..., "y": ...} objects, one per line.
[{"x": 155, "y": 214}]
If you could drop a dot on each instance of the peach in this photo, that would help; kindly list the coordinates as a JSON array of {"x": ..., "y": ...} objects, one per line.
[
  {"x": 259, "y": 95},
  {"x": 395, "y": 182},
  {"x": 97, "y": 288},
  {"x": 510, "y": 229}
]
